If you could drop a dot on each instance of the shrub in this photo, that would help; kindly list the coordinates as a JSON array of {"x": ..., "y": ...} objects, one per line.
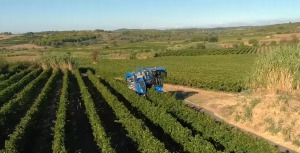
[
  {"x": 200, "y": 46},
  {"x": 254, "y": 42}
]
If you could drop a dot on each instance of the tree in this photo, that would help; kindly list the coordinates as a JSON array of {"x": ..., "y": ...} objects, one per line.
[
  {"x": 29, "y": 34},
  {"x": 7, "y": 33}
]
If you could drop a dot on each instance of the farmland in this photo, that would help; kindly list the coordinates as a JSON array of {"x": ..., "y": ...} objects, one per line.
[
  {"x": 218, "y": 72},
  {"x": 96, "y": 113},
  {"x": 71, "y": 96}
]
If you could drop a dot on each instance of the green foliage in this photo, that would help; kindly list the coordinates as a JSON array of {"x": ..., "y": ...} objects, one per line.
[
  {"x": 3, "y": 64},
  {"x": 59, "y": 39},
  {"x": 210, "y": 51},
  {"x": 218, "y": 72},
  {"x": 13, "y": 89},
  {"x": 57, "y": 62},
  {"x": 18, "y": 40},
  {"x": 160, "y": 117},
  {"x": 200, "y": 46},
  {"x": 6, "y": 33},
  {"x": 8, "y": 70},
  {"x": 135, "y": 127},
  {"x": 58, "y": 145},
  {"x": 254, "y": 42},
  {"x": 278, "y": 71},
  {"x": 13, "y": 107},
  {"x": 17, "y": 138},
  {"x": 13, "y": 79},
  {"x": 100, "y": 136},
  {"x": 213, "y": 38},
  {"x": 232, "y": 140}
]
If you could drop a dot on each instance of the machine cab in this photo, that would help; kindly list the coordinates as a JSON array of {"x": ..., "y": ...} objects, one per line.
[{"x": 159, "y": 74}]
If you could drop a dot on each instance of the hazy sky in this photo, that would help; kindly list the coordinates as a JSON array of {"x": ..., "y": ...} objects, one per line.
[{"x": 42, "y": 15}]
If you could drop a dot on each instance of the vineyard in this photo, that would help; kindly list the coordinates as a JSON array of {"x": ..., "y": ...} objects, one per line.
[
  {"x": 217, "y": 72},
  {"x": 212, "y": 51},
  {"x": 81, "y": 111}
]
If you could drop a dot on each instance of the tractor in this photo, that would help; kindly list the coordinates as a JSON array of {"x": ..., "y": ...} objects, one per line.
[{"x": 144, "y": 78}]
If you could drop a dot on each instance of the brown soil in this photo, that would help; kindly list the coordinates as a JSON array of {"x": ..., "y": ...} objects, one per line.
[
  {"x": 23, "y": 46},
  {"x": 227, "y": 106},
  {"x": 2, "y": 37},
  {"x": 278, "y": 37}
]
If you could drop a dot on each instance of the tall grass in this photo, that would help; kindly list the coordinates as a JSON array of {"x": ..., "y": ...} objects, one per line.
[
  {"x": 278, "y": 71},
  {"x": 57, "y": 62}
]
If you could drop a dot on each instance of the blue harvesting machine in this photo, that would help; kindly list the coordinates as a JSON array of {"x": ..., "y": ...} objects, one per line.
[{"x": 144, "y": 78}]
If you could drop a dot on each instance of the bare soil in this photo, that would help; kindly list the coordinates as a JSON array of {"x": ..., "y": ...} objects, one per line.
[
  {"x": 278, "y": 37},
  {"x": 227, "y": 106},
  {"x": 3, "y": 37},
  {"x": 23, "y": 46}
]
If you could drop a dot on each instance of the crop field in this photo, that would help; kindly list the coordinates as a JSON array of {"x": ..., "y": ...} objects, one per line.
[
  {"x": 81, "y": 111},
  {"x": 216, "y": 72}
]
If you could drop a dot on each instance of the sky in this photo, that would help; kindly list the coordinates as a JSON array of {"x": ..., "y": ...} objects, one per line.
[{"x": 20, "y": 16}]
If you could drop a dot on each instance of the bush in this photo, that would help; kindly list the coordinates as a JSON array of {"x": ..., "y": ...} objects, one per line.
[
  {"x": 254, "y": 42},
  {"x": 200, "y": 46}
]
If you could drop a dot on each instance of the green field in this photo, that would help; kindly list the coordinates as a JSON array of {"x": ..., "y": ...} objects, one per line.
[
  {"x": 74, "y": 97},
  {"x": 49, "y": 110},
  {"x": 217, "y": 72}
]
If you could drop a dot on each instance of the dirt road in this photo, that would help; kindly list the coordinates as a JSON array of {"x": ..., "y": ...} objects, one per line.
[{"x": 216, "y": 104}]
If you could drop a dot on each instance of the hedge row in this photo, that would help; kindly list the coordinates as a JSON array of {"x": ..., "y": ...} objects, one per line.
[
  {"x": 10, "y": 91},
  {"x": 14, "y": 143},
  {"x": 13, "y": 79},
  {"x": 103, "y": 141},
  {"x": 59, "y": 128},
  {"x": 24, "y": 97}
]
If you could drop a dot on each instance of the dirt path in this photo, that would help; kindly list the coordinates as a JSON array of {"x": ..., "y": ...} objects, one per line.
[
  {"x": 216, "y": 104},
  {"x": 3, "y": 37}
]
